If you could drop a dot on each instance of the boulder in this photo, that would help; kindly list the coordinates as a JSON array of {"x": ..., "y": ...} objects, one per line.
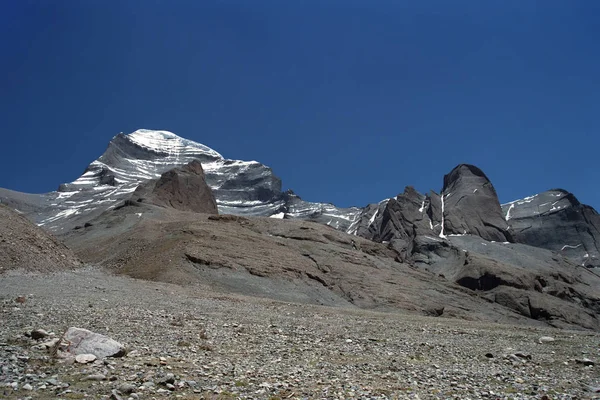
[{"x": 83, "y": 341}]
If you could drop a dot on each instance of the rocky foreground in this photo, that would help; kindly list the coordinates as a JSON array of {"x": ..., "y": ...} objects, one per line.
[{"x": 191, "y": 343}]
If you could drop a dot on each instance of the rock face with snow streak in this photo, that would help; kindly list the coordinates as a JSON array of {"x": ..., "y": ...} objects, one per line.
[
  {"x": 468, "y": 205},
  {"x": 556, "y": 220},
  {"x": 181, "y": 188},
  {"x": 471, "y": 205}
]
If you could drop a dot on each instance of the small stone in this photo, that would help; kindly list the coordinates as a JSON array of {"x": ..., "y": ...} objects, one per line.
[
  {"x": 546, "y": 339},
  {"x": 127, "y": 388},
  {"x": 523, "y": 356},
  {"x": 585, "y": 361},
  {"x": 48, "y": 344},
  {"x": 348, "y": 340},
  {"x": 170, "y": 386},
  {"x": 85, "y": 358},
  {"x": 95, "y": 377},
  {"x": 114, "y": 395},
  {"x": 27, "y": 386},
  {"x": 38, "y": 334},
  {"x": 21, "y": 299},
  {"x": 489, "y": 355}
]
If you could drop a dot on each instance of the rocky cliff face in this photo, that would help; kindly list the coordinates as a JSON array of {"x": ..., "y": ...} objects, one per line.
[
  {"x": 471, "y": 205},
  {"x": 557, "y": 221},
  {"x": 527, "y": 260}
]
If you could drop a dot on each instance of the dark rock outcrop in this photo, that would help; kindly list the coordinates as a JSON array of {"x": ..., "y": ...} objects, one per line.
[
  {"x": 471, "y": 205},
  {"x": 182, "y": 188}
]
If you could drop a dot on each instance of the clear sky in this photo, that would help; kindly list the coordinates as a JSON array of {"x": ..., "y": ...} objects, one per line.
[{"x": 347, "y": 101}]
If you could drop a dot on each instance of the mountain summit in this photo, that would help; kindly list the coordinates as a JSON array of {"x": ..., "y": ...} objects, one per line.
[{"x": 240, "y": 187}]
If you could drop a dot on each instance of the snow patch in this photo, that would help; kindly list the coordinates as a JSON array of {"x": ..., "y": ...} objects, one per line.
[
  {"x": 568, "y": 246},
  {"x": 509, "y": 210},
  {"x": 279, "y": 215},
  {"x": 442, "y": 231},
  {"x": 373, "y": 217}
]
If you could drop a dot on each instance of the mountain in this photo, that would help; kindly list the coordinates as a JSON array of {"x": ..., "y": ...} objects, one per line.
[
  {"x": 157, "y": 206},
  {"x": 240, "y": 187}
]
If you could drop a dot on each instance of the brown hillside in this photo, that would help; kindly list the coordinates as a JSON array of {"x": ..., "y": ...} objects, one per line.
[{"x": 26, "y": 246}]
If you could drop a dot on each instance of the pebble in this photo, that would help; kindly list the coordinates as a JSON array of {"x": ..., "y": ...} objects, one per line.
[
  {"x": 95, "y": 377},
  {"x": 585, "y": 361},
  {"x": 85, "y": 358},
  {"x": 126, "y": 388},
  {"x": 546, "y": 339}
]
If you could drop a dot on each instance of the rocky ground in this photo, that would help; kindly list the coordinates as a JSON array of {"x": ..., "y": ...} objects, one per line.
[{"x": 191, "y": 343}]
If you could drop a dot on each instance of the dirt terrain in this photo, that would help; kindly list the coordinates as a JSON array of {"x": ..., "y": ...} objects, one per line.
[
  {"x": 25, "y": 245},
  {"x": 297, "y": 261},
  {"x": 189, "y": 342}
]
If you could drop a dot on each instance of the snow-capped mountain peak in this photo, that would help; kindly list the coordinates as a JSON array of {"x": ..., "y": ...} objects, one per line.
[
  {"x": 240, "y": 187},
  {"x": 168, "y": 142}
]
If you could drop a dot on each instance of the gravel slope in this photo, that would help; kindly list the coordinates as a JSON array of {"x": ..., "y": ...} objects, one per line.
[{"x": 225, "y": 347}]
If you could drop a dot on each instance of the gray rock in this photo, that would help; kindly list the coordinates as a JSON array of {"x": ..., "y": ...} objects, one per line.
[
  {"x": 114, "y": 395},
  {"x": 85, "y": 358},
  {"x": 127, "y": 388},
  {"x": 167, "y": 379},
  {"x": 83, "y": 341},
  {"x": 546, "y": 339},
  {"x": 95, "y": 377}
]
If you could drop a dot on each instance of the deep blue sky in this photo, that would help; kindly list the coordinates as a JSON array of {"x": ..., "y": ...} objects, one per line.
[{"x": 347, "y": 101}]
